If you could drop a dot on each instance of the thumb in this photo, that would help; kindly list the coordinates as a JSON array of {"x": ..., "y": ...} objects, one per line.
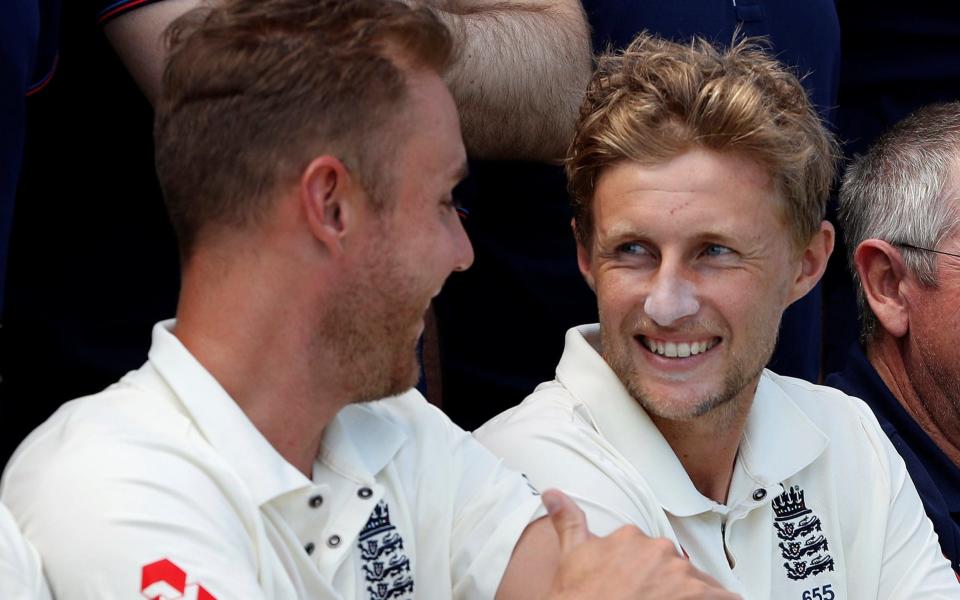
[{"x": 568, "y": 520}]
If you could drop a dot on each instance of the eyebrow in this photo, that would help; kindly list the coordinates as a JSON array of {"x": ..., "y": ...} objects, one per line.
[{"x": 621, "y": 232}]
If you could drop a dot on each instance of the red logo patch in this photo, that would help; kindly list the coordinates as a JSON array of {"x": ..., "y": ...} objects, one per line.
[{"x": 163, "y": 580}]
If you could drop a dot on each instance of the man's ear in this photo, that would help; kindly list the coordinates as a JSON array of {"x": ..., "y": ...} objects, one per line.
[
  {"x": 583, "y": 257},
  {"x": 882, "y": 273},
  {"x": 813, "y": 261},
  {"x": 327, "y": 196}
]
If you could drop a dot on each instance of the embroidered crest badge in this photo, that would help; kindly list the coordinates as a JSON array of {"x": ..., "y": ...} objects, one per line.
[
  {"x": 802, "y": 542},
  {"x": 385, "y": 565}
]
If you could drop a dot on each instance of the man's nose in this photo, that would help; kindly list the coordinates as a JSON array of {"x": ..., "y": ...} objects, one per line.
[
  {"x": 463, "y": 250},
  {"x": 671, "y": 298}
]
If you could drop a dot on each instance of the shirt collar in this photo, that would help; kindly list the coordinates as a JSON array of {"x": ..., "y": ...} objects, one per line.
[
  {"x": 778, "y": 441},
  {"x": 357, "y": 443}
]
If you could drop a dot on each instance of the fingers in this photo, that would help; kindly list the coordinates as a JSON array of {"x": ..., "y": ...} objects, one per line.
[{"x": 568, "y": 520}]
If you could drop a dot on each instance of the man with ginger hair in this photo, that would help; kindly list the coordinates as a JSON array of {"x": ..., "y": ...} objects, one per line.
[
  {"x": 700, "y": 179},
  {"x": 307, "y": 150}
]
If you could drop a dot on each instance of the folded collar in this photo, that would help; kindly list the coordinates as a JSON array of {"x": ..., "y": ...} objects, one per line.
[
  {"x": 778, "y": 440},
  {"x": 358, "y": 443}
]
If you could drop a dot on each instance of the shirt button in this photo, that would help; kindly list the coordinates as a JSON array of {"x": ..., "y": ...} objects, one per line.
[
  {"x": 333, "y": 541},
  {"x": 316, "y": 501},
  {"x": 364, "y": 492},
  {"x": 760, "y": 494},
  {"x": 309, "y": 547}
]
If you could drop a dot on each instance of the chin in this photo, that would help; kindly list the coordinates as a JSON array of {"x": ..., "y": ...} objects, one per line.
[
  {"x": 681, "y": 410},
  {"x": 404, "y": 377}
]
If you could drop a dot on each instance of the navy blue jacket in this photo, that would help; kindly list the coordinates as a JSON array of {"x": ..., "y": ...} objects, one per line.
[{"x": 937, "y": 478}]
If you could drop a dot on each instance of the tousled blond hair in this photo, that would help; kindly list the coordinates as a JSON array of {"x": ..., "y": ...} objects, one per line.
[{"x": 657, "y": 99}]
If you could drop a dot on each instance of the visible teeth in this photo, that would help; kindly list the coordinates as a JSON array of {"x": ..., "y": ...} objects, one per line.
[{"x": 676, "y": 349}]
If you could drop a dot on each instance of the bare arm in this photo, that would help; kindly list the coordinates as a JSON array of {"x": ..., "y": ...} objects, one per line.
[
  {"x": 522, "y": 69},
  {"x": 137, "y": 38},
  {"x": 557, "y": 558}
]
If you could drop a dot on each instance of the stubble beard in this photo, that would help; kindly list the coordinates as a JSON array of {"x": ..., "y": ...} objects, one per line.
[
  {"x": 945, "y": 377},
  {"x": 368, "y": 328},
  {"x": 737, "y": 377}
]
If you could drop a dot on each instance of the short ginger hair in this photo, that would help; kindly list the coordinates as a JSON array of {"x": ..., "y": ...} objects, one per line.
[
  {"x": 657, "y": 99},
  {"x": 253, "y": 90}
]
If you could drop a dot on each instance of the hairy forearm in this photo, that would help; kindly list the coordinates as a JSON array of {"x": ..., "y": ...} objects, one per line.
[
  {"x": 137, "y": 38},
  {"x": 521, "y": 71}
]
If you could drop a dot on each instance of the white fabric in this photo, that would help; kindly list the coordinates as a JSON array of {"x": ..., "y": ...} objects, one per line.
[
  {"x": 164, "y": 466},
  {"x": 583, "y": 433},
  {"x": 21, "y": 577}
]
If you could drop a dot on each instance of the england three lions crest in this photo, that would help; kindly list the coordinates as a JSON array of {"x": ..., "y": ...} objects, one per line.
[
  {"x": 802, "y": 542},
  {"x": 385, "y": 564}
]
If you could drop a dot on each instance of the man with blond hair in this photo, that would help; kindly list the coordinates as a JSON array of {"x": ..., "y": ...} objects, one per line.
[{"x": 700, "y": 178}]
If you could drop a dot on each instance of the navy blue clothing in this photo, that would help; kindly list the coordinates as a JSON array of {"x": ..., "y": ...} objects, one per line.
[
  {"x": 937, "y": 478},
  {"x": 501, "y": 323},
  {"x": 93, "y": 262},
  {"x": 29, "y": 32},
  {"x": 29, "y": 44}
]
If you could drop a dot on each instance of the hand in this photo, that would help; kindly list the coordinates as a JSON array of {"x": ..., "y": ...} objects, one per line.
[{"x": 625, "y": 564}]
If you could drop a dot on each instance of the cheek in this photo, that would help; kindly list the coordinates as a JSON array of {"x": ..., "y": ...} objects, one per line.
[
  {"x": 934, "y": 318},
  {"x": 618, "y": 292}
]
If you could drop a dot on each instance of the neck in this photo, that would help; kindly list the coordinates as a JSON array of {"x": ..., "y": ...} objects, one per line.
[
  {"x": 918, "y": 391},
  {"x": 707, "y": 445},
  {"x": 245, "y": 323}
]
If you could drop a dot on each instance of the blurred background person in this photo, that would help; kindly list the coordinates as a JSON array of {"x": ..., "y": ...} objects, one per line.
[{"x": 900, "y": 209}]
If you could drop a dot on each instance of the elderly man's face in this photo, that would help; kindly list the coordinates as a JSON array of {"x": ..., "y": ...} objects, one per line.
[
  {"x": 933, "y": 353},
  {"x": 693, "y": 266}
]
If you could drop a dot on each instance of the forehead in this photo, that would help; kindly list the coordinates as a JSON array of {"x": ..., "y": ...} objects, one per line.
[
  {"x": 697, "y": 188},
  {"x": 430, "y": 156},
  {"x": 428, "y": 120}
]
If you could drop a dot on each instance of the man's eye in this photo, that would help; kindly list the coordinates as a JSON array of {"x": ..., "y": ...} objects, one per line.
[
  {"x": 453, "y": 205},
  {"x": 633, "y": 249},
  {"x": 716, "y": 250}
]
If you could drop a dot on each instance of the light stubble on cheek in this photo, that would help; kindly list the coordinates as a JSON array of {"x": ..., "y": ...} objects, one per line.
[{"x": 743, "y": 365}]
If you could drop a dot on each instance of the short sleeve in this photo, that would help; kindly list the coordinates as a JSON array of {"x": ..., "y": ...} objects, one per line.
[
  {"x": 107, "y": 10},
  {"x": 492, "y": 505},
  {"x": 551, "y": 445}
]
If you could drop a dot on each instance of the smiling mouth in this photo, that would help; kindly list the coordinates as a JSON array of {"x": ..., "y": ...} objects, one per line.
[{"x": 671, "y": 349}]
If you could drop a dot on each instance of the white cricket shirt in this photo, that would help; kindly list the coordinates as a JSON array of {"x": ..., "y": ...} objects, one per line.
[
  {"x": 820, "y": 505},
  {"x": 161, "y": 486}
]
